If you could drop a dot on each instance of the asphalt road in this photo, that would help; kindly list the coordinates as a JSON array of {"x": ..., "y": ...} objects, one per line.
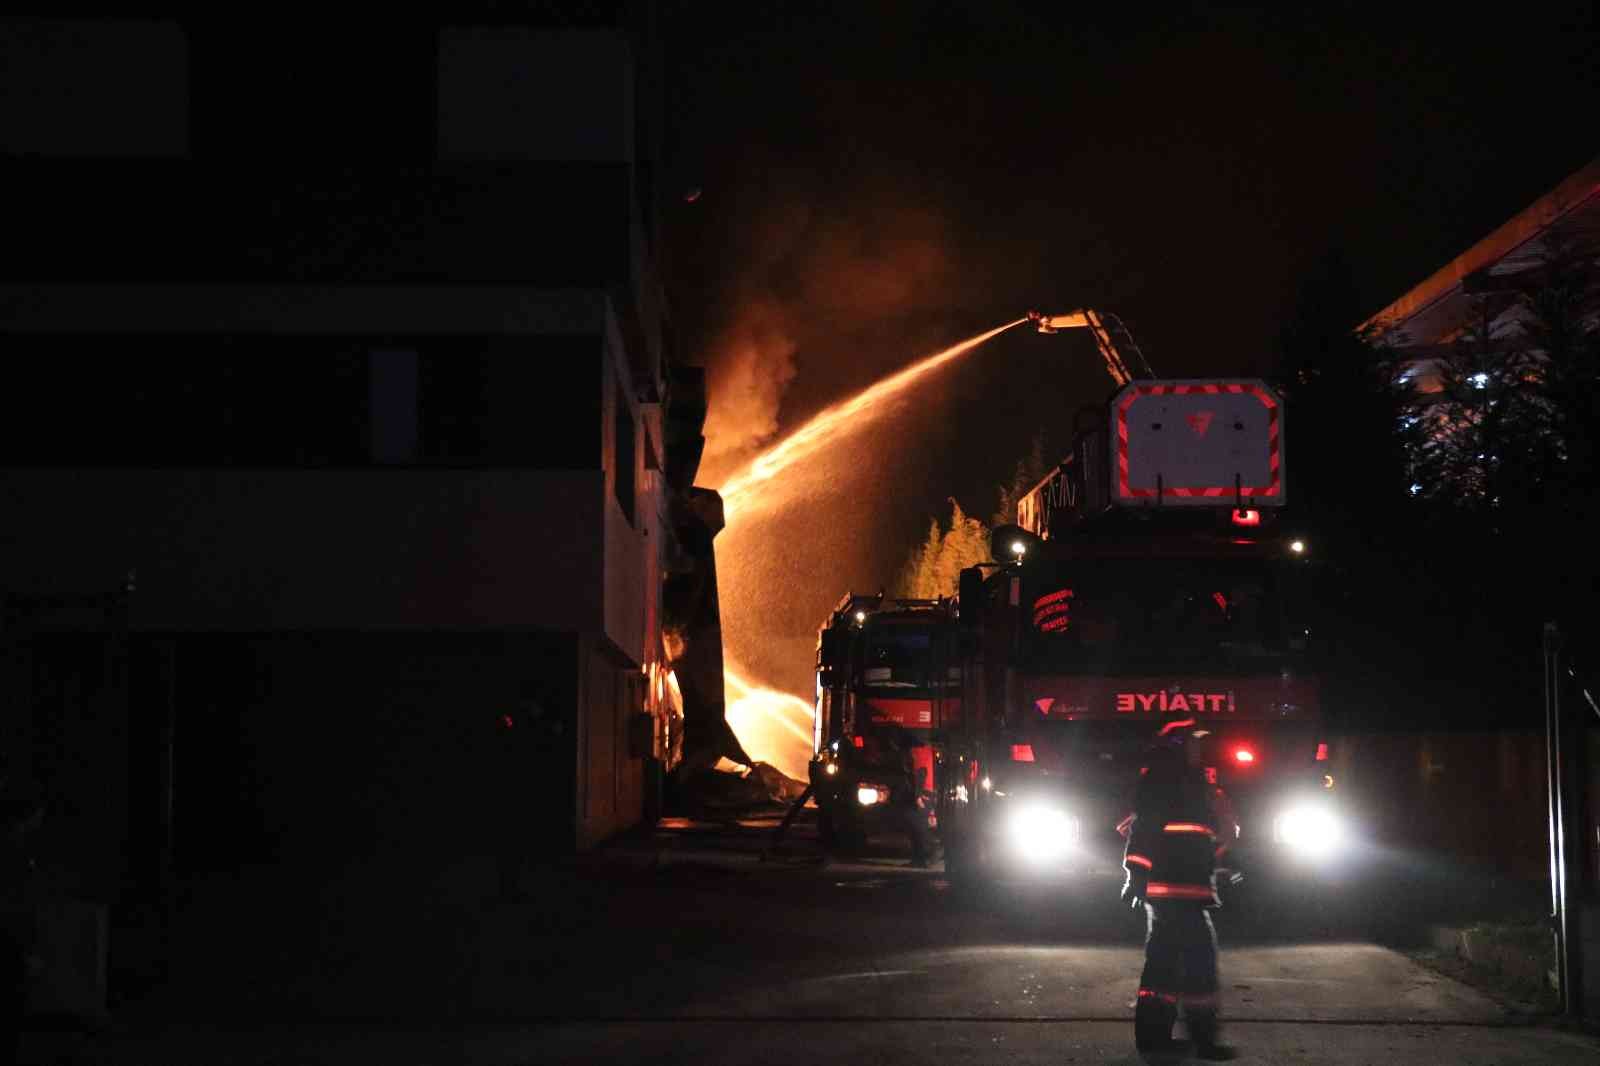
[{"x": 686, "y": 947}]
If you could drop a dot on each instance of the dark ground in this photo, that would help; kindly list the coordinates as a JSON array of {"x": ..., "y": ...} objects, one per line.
[{"x": 681, "y": 945}]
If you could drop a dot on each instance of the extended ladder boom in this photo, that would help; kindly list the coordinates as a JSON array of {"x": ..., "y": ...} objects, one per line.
[{"x": 1099, "y": 325}]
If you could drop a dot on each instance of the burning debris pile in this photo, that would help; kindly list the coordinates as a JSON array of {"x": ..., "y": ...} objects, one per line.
[{"x": 713, "y": 791}]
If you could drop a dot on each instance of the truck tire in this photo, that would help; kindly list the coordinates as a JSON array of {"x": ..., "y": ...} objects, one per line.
[
  {"x": 840, "y": 834},
  {"x": 826, "y": 831}
]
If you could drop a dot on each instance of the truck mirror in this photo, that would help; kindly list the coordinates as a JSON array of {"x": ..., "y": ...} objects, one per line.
[{"x": 971, "y": 597}]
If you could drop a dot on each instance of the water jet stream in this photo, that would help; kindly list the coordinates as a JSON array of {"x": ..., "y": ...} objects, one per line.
[
  {"x": 817, "y": 433},
  {"x": 776, "y": 726}
]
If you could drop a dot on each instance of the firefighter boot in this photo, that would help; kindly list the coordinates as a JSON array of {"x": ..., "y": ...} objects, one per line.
[
  {"x": 1204, "y": 1032},
  {"x": 1152, "y": 1026}
]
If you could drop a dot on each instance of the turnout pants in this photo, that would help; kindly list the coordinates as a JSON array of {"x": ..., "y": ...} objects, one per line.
[
  {"x": 1180, "y": 966},
  {"x": 914, "y": 821}
]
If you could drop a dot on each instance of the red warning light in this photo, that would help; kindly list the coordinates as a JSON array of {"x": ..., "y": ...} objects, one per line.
[
  {"x": 1246, "y": 518},
  {"x": 1322, "y": 752},
  {"x": 1022, "y": 753},
  {"x": 858, "y": 741},
  {"x": 1244, "y": 755}
]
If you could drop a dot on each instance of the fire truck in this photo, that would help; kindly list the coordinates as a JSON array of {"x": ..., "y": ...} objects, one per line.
[
  {"x": 888, "y": 688},
  {"x": 1153, "y": 576}
]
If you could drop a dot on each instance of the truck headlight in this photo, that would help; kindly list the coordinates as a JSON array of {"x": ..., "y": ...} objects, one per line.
[
  {"x": 1041, "y": 831},
  {"x": 1310, "y": 830}
]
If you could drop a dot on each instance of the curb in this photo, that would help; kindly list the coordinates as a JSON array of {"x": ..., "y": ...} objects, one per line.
[{"x": 1493, "y": 950}]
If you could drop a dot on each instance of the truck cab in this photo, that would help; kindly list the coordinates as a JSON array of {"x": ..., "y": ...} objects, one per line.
[
  {"x": 888, "y": 686},
  {"x": 1151, "y": 578}
]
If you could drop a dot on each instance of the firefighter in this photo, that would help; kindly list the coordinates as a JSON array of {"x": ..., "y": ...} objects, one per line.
[
  {"x": 1181, "y": 827},
  {"x": 908, "y": 800},
  {"x": 905, "y": 792}
]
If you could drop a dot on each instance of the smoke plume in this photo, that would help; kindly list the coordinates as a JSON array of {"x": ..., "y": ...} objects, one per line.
[
  {"x": 746, "y": 378},
  {"x": 815, "y": 277}
]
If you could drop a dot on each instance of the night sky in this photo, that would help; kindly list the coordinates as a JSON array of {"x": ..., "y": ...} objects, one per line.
[
  {"x": 876, "y": 185},
  {"x": 849, "y": 191}
]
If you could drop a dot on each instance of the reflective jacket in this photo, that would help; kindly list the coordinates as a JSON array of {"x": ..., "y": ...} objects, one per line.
[{"x": 1181, "y": 827}]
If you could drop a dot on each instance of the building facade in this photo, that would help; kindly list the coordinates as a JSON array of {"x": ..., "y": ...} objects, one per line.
[{"x": 338, "y": 430}]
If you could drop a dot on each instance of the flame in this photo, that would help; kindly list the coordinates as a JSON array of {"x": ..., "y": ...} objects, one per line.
[
  {"x": 775, "y": 726},
  {"x": 819, "y": 432}
]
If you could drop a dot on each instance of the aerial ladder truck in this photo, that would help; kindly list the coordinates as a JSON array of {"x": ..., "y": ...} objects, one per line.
[{"x": 1150, "y": 577}]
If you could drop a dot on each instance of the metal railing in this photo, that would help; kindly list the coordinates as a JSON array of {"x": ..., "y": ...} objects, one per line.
[{"x": 1565, "y": 749}]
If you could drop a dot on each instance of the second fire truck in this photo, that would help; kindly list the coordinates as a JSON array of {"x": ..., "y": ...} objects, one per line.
[{"x": 888, "y": 690}]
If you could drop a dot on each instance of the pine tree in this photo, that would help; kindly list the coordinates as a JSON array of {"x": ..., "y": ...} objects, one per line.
[
  {"x": 919, "y": 574},
  {"x": 1030, "y": 470},
  {"x": 965, "y": 544},
  {"x": 1505, "y": 457},
  {"x": 935, "y": 568}
]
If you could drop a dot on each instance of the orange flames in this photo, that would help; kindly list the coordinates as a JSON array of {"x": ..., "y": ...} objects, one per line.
[{"x": 773, "y": 726}]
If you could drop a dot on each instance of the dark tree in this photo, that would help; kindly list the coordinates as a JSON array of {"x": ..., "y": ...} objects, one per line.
[
  {"x": 1384, "y": 607},
  {"x": 1452, "y": 522},
  {"x": 1030, "y": 470},
  {"x": 1506, "y": 461}
]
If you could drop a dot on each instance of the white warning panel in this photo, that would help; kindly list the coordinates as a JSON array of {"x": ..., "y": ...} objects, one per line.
[{"x": 1197, "y": 443}]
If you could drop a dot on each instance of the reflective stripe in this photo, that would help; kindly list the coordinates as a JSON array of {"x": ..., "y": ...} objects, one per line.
[
  {"x": 1140, "y": 860},
  {"x": 1187, "y": 827},
  {"x": 1166, "y": 890},
  {"x": 1165, "y": 997}
]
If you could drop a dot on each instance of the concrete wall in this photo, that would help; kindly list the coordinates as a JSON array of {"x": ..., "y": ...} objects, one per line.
[
  {"x": 284, "y": 747},
  {"x": 633, "y": 544},
  {"x": 508, "y": 92},
  {"x": 91, "y": 89},
  {"x": 1477, "y": 797},
  {"x": 617, "y": 659},
  {"x": 284, "y": 550},
  {"x": 610, "y": 759}
]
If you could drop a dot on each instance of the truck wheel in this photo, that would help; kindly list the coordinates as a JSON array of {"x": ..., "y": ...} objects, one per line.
[
  {"x": 841, "y": 834},
  {"x": 826, "y": 831}
]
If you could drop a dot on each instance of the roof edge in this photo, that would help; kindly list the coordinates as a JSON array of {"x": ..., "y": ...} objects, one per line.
[{"x": 1572, "y": 193}]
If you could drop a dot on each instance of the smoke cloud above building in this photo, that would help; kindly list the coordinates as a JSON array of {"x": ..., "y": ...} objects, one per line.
[{"x": 821, "y": 269}]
